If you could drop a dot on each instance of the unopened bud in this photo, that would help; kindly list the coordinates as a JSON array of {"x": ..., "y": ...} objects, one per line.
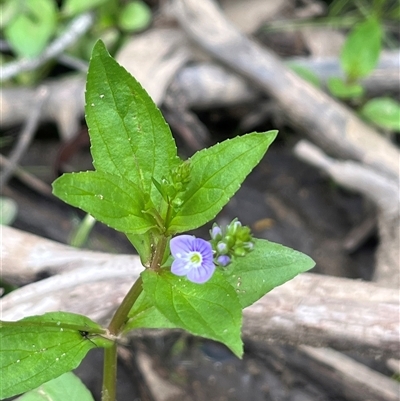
[
  {"x": 222, "y": 248},
  {"x": 240, "y": 251},
  {"x": 223, "y": 260},
  {"x": 216, "y": 232}
]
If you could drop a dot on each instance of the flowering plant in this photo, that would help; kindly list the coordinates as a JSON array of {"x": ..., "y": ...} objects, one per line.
[{"x": 143, "y": 189}]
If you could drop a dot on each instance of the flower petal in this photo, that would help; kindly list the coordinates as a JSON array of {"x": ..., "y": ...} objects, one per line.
[
  {"x": 202, "y": 246},
  {"x": 179, "y": 267},
  {"x": 216, "y": 232},
  {"x": 201, "y": 274},
  {"x": 181, "y": 245}
]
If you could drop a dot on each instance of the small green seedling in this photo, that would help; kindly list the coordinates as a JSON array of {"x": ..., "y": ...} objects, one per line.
[{"x": 142, "y": 188}]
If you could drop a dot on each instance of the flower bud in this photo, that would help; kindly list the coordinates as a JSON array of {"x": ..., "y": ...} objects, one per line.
[
  {"x": 248, "y": 246},
  {"x": 223, "y": 260},
  {"x": 235, "y": 225},
  {"x": 240, "y": 251},
  {"x": 222, "y": 248},
  {"x": 229, "y": 240},
  {"x": 216, "y": 232}
]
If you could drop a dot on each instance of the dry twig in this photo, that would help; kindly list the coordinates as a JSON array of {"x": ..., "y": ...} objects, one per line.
[
  {"x": 25, "y": 137},
  {"x": 27, "y": 178}
]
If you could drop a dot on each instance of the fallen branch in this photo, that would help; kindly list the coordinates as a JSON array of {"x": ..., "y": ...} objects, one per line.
[
  {"x": 331, "y": 125},
  {"x": 203, "y": 85},
  {"x": 25, "y": 137},
  {"x": 383, "y": 191},
  {"x": 338, "y": 371},
  {"x": 311, "y": 309},
  {"x": 64, "y": 105},
  {"x": 27, "y": 178}
]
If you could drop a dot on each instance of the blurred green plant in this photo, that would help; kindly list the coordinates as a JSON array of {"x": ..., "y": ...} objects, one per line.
[
  {"x": 81, "y": 234},
  {"x": 384, "y": 112},
  {"x": 370, "y": 24},
  {"x": 29, "y": 25},
  {"x": 56, "y": 389},
  {"x": 8, "y": 211},
  {"x": 359, "y": 57}
]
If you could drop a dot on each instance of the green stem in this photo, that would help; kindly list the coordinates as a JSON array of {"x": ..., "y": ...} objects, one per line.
[
  {"x": 121, "y": 314},
  {"x": 168, "y": 214},
  {"x": 159, "y": 253},
  {"x": 118, "y": 322},
  {"x": 109, "y": 390}
]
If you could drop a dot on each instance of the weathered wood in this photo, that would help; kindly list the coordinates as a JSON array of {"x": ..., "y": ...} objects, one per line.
[
  {"x": 204, "y": 85},
  {"x": 336, "y": 371},
  {"x": 329, "y": 123},
  {"x": 328, "y": 312},
  {"x": 64, "y": 105},
  {"x": 383, "y": 191},
  {"x": 310, "y": 309}
]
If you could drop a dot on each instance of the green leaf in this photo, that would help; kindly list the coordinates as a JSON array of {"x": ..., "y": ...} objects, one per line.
[
  {"x": 30, "y": 31},
  {"x": 109, "y": 198},
  {"x": 66, "y": 387},
  {"x": 344, "y": 90},
  {"x": 216, "y": 174},
  {"x": 361, "y": 50},
  {"x": 145, "y": 315},
  {"x": 75, "y": 7},
  {"x": 37, "y": 349},
  {"x": 267, "y": 266},
  {"x": 128, "y": 133},
  {"x": 135, "y": 16},
  {"x": 143, "y": 245},
  {"x": 210, "y": 310},
  {"x": 383, "y": 111}
]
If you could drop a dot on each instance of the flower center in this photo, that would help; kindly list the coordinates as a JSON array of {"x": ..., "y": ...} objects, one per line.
[{"x": 195, "y": 258}]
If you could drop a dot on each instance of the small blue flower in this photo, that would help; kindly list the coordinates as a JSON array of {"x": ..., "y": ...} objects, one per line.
[{"x": 193, "y": 258}]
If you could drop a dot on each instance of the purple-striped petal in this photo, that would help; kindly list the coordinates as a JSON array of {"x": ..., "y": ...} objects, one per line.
[
  {"x": 200, "y": 274},
  {"x": 181, "y": 245}
]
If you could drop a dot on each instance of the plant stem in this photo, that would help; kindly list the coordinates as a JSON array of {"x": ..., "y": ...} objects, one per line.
[
  {"x": 118, "y": 322},
  {"x": 121, "y": 314},
  {"x": 109, "y": 390},
  {"x": 159, "y": 253}
]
